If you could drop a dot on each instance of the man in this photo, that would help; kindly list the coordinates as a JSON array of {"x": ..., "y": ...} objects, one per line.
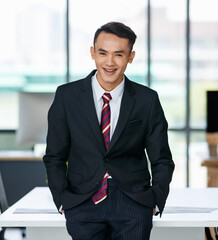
[{"x": 101, "y": 126}]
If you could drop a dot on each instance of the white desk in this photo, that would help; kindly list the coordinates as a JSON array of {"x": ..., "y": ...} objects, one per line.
[{"x": 199, "y": 208}]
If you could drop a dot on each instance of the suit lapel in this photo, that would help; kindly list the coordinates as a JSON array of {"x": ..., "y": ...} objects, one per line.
[
  {"x": 127, "y": 104},
  {"x": 88, "y": 104},
  {"x": 87, "y": 100}
]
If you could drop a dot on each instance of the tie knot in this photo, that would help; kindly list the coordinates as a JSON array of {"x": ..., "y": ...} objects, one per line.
[{"x": 106, "y": 97}]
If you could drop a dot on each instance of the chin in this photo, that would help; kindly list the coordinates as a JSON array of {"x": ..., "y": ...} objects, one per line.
[{"x": 109, "y": 81}]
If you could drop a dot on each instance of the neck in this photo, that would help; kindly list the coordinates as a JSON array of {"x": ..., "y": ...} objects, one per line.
[{"x": 107, "y": 86}]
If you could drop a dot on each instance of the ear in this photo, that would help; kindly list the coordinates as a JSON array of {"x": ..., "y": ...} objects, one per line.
[
  {"x": 131, "y": 56},
  {"x": 92, "y": 51}
]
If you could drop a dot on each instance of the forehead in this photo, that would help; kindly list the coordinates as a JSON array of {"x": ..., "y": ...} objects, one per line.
[{"x": 109, "y": 41}]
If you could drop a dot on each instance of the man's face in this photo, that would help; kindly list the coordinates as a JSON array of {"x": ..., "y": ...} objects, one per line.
[{"x": 111, "y": 55}]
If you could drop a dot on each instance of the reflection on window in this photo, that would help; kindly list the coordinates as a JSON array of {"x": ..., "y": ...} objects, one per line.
[
  {"x": 168, "y": 74},
  {"x": 168, "y": 58},
  {"x": 32, "y": 51},
  {"x": 204, "y": 57}
]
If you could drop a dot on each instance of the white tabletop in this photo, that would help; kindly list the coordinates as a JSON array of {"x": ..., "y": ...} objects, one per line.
[
  {"x": 23, "y": 213},
  {"x": 184, "y": 208},
  {"x": 190, "y": 208}
]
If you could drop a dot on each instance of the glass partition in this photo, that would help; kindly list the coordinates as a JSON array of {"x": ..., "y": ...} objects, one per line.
[{"x": 32, "y": 48}]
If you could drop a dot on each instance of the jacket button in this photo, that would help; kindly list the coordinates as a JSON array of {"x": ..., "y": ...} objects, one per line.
[{"x": 106, "y": 159}]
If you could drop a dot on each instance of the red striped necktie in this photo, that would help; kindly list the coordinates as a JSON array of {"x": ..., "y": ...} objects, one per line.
[{"x": 101, "y": 194}]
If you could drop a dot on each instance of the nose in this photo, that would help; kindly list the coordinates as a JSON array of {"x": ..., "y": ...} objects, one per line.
[{"x": 110, "y": 60}]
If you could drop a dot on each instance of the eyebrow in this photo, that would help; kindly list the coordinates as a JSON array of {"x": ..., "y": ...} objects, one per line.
[
  {"x": 120, "y": 51},
  {"x": 102, "y": 50}
]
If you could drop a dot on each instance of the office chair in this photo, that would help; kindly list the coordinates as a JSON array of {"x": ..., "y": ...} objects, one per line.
[
  {"x": 3, "y": 204},
  {"x": 3, "y": 199},
  {"x": 4, "y": 207}
]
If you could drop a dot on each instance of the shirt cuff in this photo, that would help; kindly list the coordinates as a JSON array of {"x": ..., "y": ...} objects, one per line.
[
  {"x": 60, "y": 209},
  {"x": 157, "y": 211}
]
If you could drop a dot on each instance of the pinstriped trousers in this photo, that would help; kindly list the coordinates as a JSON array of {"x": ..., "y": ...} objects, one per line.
[{"x": 118, "y": 217}]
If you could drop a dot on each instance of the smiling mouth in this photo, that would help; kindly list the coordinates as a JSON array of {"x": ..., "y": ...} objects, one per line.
[{"x": 109, "y": 70}]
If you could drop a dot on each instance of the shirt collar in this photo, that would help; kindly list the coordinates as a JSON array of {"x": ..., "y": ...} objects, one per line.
[{"x": 99, "y": 91}]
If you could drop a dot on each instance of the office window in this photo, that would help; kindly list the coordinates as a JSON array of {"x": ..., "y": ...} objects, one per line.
[
  {"x": 168, "y": 73},
  {"x": 177, "y": 142},
  {"x": 204, "y": 57},
  {"x": 203, "y": 77},
  {"x": 32, "y": 47},
  {"x": 168, "y": 57},
  {"x": 180, "y": 65},
  {"x": 198, "y": 153}
]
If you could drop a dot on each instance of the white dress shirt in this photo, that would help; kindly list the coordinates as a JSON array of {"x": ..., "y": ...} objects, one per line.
[{"x": 115, "y": 102}]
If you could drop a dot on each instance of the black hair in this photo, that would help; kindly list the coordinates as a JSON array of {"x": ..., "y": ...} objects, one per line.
[{"x": 119, "y": 29}]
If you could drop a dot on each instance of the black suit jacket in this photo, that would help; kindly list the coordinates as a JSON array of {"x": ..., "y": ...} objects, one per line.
[{"x": 74, "y": 137}]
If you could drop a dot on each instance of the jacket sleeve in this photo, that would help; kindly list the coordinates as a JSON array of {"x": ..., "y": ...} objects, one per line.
[
  {"x": 58, "y": 142},
  {"x": 162, "y": 165}
]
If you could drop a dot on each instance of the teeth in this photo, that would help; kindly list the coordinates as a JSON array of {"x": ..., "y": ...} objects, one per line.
[{"x": 109, "y": 70}]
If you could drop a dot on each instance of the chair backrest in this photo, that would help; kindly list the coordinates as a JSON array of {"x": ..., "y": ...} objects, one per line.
[{"x": 3, "y": 198}]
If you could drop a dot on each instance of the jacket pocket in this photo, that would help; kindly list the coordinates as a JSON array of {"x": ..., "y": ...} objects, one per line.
[{"x": 134, "y": 123}]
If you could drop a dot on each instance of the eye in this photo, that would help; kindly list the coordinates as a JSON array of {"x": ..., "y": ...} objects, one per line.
[
  {"x": 102, "y": 53},
  {"x": 119, "y": 55}
]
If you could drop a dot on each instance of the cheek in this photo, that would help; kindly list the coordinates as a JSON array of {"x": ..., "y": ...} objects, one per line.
[
  {"x": 124, "y": 65},
  {"x": 98, "y": 61}
]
